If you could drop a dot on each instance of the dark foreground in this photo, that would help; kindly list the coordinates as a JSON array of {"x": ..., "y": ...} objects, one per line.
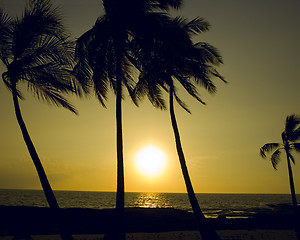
[{"x": 20, "y": 220}]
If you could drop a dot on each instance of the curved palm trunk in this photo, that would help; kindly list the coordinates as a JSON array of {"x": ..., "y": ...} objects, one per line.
[
  {"x": 294, "y": 200},
  {"x": 39, "y": 167},
  {"x": 206, "y": 231},
  {"x": 292, "y": 186}
]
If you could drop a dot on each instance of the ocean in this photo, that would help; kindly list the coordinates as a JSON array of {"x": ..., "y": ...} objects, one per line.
[{"x": 212, "y": 205}]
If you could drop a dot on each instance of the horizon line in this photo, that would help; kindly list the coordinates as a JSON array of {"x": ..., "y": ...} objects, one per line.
[{"x": 105, "y": 191}]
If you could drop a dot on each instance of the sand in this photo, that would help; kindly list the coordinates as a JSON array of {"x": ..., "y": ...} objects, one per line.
[
  {"x": 141, "y": 224},
  {"x": 258, "y": 234}
]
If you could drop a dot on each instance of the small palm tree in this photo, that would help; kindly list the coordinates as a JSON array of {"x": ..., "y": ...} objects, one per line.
[
  {"x": 290, "y": 141},
  {"x": 173, "y": 57},
  {"x": 36, "y": 51}
]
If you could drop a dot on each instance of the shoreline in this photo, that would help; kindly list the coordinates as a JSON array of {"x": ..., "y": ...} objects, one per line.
[{"x": 85, "y": 223}]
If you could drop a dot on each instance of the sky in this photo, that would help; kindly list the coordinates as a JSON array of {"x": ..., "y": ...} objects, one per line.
[{"x": 259, "y": 43}]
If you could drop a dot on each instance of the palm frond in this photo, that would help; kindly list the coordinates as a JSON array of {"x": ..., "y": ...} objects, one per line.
[
  {"x": 129, "y": 84},
  {"x": 78, "y": 88},
  {"x": 6, "y": 25},
  {"x": 49, "y": 75},
  {"x": 39, "y": 19},
  {"x": 291, "y": 124},
  {"x": 181, "y": 103},
  {"x": 207, "y": 53},
  {"x": 202, "y": 78},
  {"x": 163, "y": 51},
  {"x": 83, "y": 73},
  {"x": 291, "y": 157},
  {"x": 101, "y": 85},
  {"x": 95, "y": 64},
  {"x": 164, "y": 4},
  {"x": 49, "y": 51},
  {"x": 190, "y": 88},
  {"x": 296, "y": 134},
  {"x": 53, "y": 96},
  {"x": 148, "y": 86},
  {"x": 140, "y": 90},
  {"x": 8, "y": 84},
  {"x": 155, "y": 97},
  {"x": 195, "y": 26},
  {"x": 81, "y": 51},
  {"x": 275, "y": 158},
  {"x": 42, "y": 54},
  {"x": 268, "y": 148},
  {"x": 216, "y": 74},
  {"x": 100, "y": 95},
  {"x": 150, "y": 79},
  {"x": 49, "y": 17},
  {"x": 297, "y": 146},
  {"x": 100, "y": 78}
]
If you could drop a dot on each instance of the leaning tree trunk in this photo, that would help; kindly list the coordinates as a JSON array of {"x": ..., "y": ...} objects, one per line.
[
  {"x": 206, "y": 231},
  {"x": 292, "y": 186},
  {"x": 39, "y": 167},
  {"x": 293, "y": 193}
]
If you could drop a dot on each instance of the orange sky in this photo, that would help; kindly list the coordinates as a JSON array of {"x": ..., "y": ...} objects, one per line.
[{"x": 259, "y": 41}]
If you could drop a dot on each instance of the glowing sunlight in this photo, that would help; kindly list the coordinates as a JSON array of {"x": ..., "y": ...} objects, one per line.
[{"x": 150, "y": 161}]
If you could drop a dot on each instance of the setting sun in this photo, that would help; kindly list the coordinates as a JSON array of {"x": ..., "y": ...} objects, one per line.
[{"x": 150, "y": 160}]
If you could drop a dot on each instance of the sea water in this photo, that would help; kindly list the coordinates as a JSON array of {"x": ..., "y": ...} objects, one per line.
[{"x": 212, "y": 205}]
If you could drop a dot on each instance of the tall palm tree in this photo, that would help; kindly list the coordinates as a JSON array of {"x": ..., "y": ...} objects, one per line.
[
  {"x": 37, "y": 51},
  {"x": 102, "y": 60},
  {"x": 173, "y": 57},
  {"x": 290, "y": 141}
]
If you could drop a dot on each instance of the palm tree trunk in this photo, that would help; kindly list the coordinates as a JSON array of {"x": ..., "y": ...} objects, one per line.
[
  {"x": 35, "y": 158},
  {"x": 206, "y": 231},
  {"x": 38, "y": 165},
  {"x": 292, "y": 186},
  {"x": 117, "y": 231},
  {"x": 120, "y": 160},
  {"x": 294, "y": 200}
]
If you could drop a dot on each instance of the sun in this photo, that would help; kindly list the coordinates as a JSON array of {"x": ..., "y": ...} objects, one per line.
[{"x": 150, "y": 161}]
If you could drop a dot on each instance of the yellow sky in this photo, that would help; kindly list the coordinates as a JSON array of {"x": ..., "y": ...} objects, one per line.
[{"x": 259, "y": 41}]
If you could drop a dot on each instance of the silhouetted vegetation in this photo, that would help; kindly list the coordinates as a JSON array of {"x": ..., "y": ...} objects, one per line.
[
  {"x": 172, "y": 57},
  {"x": 132, "y": 34},
  {"x": 14, "y": 220},
  {"x": 290, "y": 141},
  {"x": 102, "y": 60},
  {"x": 36, "y": 51}
]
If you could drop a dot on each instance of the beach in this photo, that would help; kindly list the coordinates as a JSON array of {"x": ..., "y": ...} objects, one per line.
[
  {"x": 140, "y": 223},
  {"x": 185, "y": 235}
]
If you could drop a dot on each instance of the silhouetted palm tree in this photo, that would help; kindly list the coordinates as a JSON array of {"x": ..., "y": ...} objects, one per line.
[
  {"x": 101, "y": 54},
  {"x": 173, "y": 57},
  {"x": 37, "y": 51},
  {"x": 290, "y": 141}
]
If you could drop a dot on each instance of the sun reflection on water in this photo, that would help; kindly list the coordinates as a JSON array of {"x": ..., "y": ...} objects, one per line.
[{"x": 151, "y": 200}]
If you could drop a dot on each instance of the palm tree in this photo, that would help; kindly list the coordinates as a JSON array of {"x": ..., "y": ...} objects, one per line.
[
  {"x": 172, "y": 57},
  {"x": 102, "y": 60},
  {"x": 290, "y": 141},
  {"x": 35, "y": 50}
]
